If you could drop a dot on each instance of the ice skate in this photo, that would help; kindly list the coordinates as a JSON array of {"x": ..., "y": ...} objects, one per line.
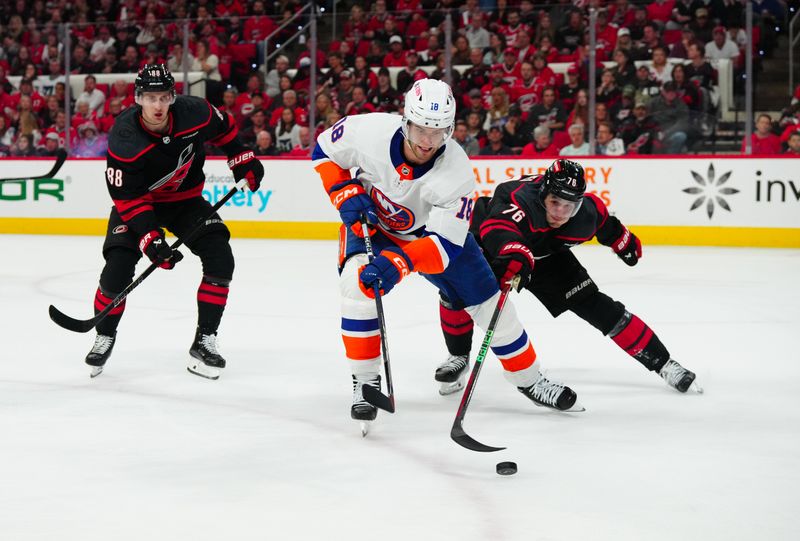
[
  {"x": 552, "y": 395},
  {"x": 205, "y": 358},
  {"x": 452, "y": 373},
  {"x": 361, "y": 410},
  {"x": 678, "y": 377},
  {"x": 101, "y": 351}
]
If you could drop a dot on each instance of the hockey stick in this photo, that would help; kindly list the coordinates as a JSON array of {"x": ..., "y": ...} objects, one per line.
[
  {"x": 85, "y": 325},
  {"x": 61, "y": 157},
  {"x": 457, "y": 432},
  {"x": 371, "y": 394}
]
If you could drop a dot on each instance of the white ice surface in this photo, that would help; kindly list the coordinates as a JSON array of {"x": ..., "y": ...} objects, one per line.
[{"x": 149, "y": 451}]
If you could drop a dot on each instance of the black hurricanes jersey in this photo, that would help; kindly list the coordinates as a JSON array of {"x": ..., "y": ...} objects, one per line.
[
  {"x": 516, "y": 213},
  {"x": 145, "y": 168}
]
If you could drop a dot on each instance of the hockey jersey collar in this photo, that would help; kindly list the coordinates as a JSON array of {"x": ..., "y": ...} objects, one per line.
[{"x": 406, "y": 170}]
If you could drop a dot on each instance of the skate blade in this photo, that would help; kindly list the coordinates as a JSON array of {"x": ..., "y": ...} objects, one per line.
[
  {"x": 365, "y": 426},
  {"x": 96, "y": 371},
  {"x": 696, "y": 388},
  {"x": 576, "y": 408},
  {"x": 199, "y": 368},
  {"x": 450, "y": 388}
]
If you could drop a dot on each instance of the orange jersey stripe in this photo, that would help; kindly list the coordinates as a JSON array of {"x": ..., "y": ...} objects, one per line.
[
  {"x": 331, "y": 174},
  {"x": 521, "y": 361},
  {"x": 425, "y": 255},
  {"x": 362, "y": 349}
]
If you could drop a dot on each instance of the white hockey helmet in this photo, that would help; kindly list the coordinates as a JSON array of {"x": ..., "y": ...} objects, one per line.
[{"x": 430, "y": 104}]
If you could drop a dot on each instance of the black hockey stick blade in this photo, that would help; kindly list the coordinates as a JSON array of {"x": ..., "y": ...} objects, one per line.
[
  {"x": 71, "y": 324},
  {"x": 377, "y": 398},
  {"x": 61, "y": 157},
  {"x": 458, "y": 435}
]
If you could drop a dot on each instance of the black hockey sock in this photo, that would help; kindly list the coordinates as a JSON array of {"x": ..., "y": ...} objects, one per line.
[
  {"x": 212, "y": 295},
  {"x": 457, "y": 329},
  {"x": 640, "y": 342},
  {"x": 108, "y": 325}
]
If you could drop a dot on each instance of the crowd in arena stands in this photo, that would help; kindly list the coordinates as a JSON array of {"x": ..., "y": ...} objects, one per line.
[{"x": 510, "y": 101}]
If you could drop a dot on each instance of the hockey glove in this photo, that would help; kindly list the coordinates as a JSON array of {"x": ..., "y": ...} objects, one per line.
[
  {"x": 246, "y": 165},
  {"x": 628, "y": 247},
  {"x": 351, "y": 200},
  {"x": 391, "y": 266},
  {"x": 155, "y": 247},
  {"x": 513, "y": 259}
]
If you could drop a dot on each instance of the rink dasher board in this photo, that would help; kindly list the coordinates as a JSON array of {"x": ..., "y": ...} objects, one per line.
[{"x": 681, "y": 200}]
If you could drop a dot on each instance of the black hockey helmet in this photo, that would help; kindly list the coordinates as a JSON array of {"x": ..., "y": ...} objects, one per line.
[
  {"x": 564, "y": 179},
  {"x": 154, "y": 78}
]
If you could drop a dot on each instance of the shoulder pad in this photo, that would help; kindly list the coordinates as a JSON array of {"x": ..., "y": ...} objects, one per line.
[
  {"x": 190, "y": 113},
  {"x": 127, "y": 141}
]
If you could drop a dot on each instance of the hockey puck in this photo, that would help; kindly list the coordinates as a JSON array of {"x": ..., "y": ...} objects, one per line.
[{"x": 506, "y": 468}]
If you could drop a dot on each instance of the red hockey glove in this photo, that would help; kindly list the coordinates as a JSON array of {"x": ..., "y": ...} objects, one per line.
[
  {"x": 246, "y": 165},
  {"x": 628, "y": 247},
  {"x": 155, "y": 247},
  {"x": 513, "y": 259}
]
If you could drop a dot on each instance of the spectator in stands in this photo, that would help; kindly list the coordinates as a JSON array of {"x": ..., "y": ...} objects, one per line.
[
  {"x": 681, "y": 48},
  {"x": 440, "y": 74},
  {"x": 258, "y": 24},
  {"x": 681, "y": 14},
  {"x": 498, "y": 111},
  {"x": 121, "y": 90},
  {"x": 545, "y": 48},
  {"x": 92, "y": 95},
  {"x": 460, "y": 136},
  {"x": 578, "y": 145},
  {"x": 46, "y": 83},
  {"x": 647, "y": 88},
  {"x": 607, "y": 143},
  {"x": 409, "y": 74},
  {"x": 385, "y": 98},
  {"x": 495, "y": 145},
  {"x": 721, "y": 47},
  {"x": 542, "y": 145},
  {"x": 396, "y": 57},
  {"x": 47, "y": 117},
  {"x": 570, "y": 36},
  {"x": 516, "y": 134},
  {"x": 475, "y": 106},
  {"x": 287, "y": 132},
  {"x": 651, "y": 39},
  {"x": 580, "y": 111},
  {"x": 175, "y": 59},
  {"x": 661, "y": 69},
  {"x": 477, "y": 74},
  {"x": 526, "y": 92},
  {"x": 255, "y": 122},
  {"x": 476, "y": 34},
  {"x": 102, "y": 43},
  {"x": 109, "y": 62},
  {"x": 90, "y": 143},
  {"x": 638, "y": 131},
  {"x": 625, "y": 71},
  {"x": 147, "y": 31},
  {"x": 608, "y": 92},
  {"x": 59, "y": 128},
  {"x": 794, "y": 144},
  {"x": 672, "y": 117},
  {"x": 510, "y": 66},
  {"x": 363, "y": 76},
  {"x": 274, "y": 75},
  {"x": 81, "y": 63},
  {"x": 550, "y": 112},
  {"x": 4, "y": 83},
  {"x": 625, "y": 42},
  {"x": 763, "y": 141},
  {"x": 19, "y": 62},
  {"x": 636, "y": 27},
  {"x": 687, "y": 91},
  {"x": 698, "y": 70},
  {"x": 494, "y": 54},
  {"x": 523, "y": 47},
  {"x": 208, "y": 63},
  {"x": 306, "y": 145},
  {"x": 50, "y": 147},
  {"x": 569, "y": 90},
  {"x": 624, "y": 107},
  {"x": 335, "y": 67},
  {"x": 359, "y": 105},
  {"x": 701, "y": 26},
  {"x": 107, "y": 121},
  {"x": 461, "y": 50},
  {"x": 475, "y": 128},
  {"x": 343, "y": 93},
  {"x": 7, "y": 135},
  {"x": 23, "y": 147},
  {"x": 264, "y": 145},
  {"x": 129, "y": 63},
  {"x": 83, "y": 115},
  {"x": 26, "y": 90}
]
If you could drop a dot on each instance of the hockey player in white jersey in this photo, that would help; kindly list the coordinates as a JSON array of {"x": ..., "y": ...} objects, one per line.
[{"x": 415, "y": 185}]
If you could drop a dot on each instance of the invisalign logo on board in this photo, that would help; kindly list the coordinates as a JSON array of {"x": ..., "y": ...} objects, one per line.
[{"x": 710, "y": 191}]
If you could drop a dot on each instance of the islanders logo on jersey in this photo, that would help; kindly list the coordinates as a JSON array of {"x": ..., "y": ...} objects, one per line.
[{"x": 394, "y": 216}]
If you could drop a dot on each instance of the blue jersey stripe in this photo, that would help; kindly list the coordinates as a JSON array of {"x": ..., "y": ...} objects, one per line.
[
  {"x": 318, "y": 153},
  {"x": 360, "y": 325},
  {"x": 517, "y": 344}
]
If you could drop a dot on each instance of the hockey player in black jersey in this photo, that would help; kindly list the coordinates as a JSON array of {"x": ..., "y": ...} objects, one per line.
[
  {"x": 527, "y": 229},
  {"x": 155, "y": 177}
]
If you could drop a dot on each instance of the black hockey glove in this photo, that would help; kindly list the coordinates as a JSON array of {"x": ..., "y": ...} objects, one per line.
[
  {"x": 628, "y": 247},
  {"x": 246, "y": 165},
  {"x": 513, "y": 259},
  {"x": 155, "y": 247}
]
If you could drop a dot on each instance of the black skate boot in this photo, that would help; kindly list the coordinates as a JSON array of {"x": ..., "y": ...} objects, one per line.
[
  {"x": 206, "y": 360},
  {"x": 101, "y": 351},
  {"x": 361, "y": 410},
  {"x": 452, "y": 373},
  {"x": 549, "y": 394},
  {"x": 678, "y": 377}
]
